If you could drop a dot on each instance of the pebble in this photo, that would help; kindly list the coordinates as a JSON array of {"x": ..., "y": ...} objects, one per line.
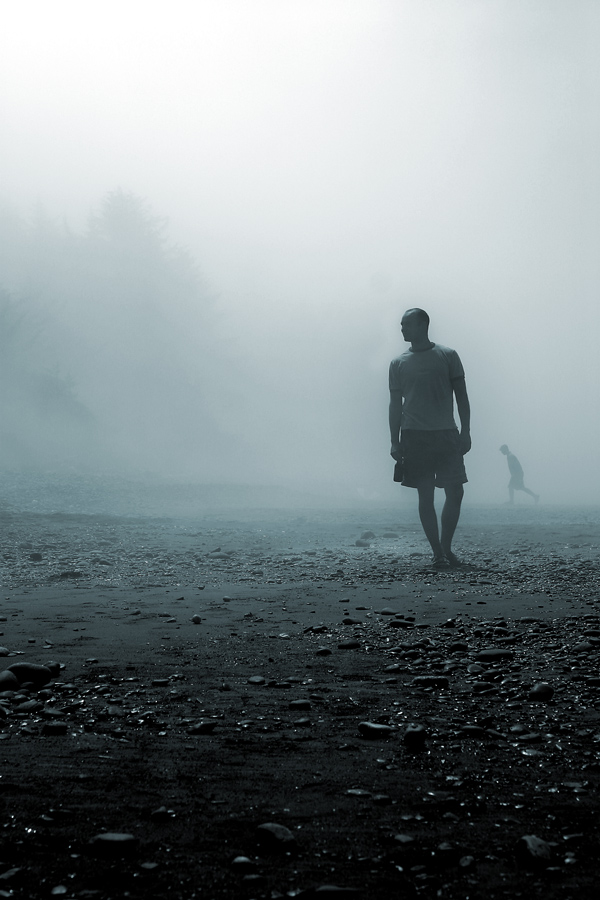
[
  {"x": 114, "y": 844},
  {"x": 202, "y": 728},
  {"x": 275, "y": 838},
  {"x": 31, "y": 672},
  {"x": 196, "y": 619},
  {"x": 541, "y": 691},
  {"x": 374, "y": 730},
  {"x": 534, "y": 851},
  {"x": 256, "y": 679},
  {"x": 55, "y": 728},
  {"x": 349, "y": 645},
  {"x": 414, "y": 737},
  {"x": 361, "y": 543},
  {"x": 494, "y": 653},
  {"x": 8, "y": 681},
  {"x": 323, "y": 651}
]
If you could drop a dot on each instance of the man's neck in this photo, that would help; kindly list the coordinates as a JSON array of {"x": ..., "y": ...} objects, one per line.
[{"x": 418, "y": 346}]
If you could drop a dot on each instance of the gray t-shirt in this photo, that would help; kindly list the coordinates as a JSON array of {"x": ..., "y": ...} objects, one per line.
[{"x": 424, "y": 379}]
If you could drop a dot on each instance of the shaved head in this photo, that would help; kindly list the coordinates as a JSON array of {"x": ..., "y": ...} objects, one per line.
[{"x": 419, "y": 314}]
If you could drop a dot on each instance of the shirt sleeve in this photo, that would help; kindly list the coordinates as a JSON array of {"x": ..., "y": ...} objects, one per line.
[
  {"x": 455, "y": 366},
  {"x": 394, "y": 376}
]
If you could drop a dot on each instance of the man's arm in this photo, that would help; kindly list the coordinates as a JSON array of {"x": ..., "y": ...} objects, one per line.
[
  {"x": 395, "y": 417},
  {"x": 459, "y": 386}
]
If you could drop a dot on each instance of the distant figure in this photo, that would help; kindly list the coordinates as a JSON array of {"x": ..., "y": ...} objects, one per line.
[
  {"x": 516, "y": 482},
  {"x": 424, "y": 381}
]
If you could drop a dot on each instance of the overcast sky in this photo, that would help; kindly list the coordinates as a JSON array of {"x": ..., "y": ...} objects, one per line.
[{"x": 329, "y": 164}]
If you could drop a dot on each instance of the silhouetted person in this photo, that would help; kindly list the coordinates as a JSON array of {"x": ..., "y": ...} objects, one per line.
[
  {"x": 516, "y": 482},
  {"x": 424, "y": 381}
]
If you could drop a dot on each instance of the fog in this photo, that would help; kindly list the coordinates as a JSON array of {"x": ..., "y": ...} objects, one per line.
[{"x": 213, "y": 214}]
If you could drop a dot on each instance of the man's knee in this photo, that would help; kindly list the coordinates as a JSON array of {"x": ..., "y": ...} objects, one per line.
[{"x": 455, "y": 493}]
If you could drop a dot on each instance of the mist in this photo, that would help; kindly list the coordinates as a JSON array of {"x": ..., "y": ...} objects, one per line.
[{"x": 213, "y": 214}]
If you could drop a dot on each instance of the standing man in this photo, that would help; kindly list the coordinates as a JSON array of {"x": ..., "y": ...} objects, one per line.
[
  {"x": 516, "y": 482},
  {"x": 423, "y": 384}
]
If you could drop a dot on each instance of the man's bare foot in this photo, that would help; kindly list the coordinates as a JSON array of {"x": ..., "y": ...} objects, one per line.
[
  {"x": 453, "y": 560},
  {"x": 440, "y": 562}
]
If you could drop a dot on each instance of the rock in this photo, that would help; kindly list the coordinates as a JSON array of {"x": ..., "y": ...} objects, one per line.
[
  {"x": 114, "y": 845},
  {"x": 387, "y": 611},
  {"x": 323, "y": 651},
  {"x": 243, "y": 864},
  {"x": 532, "y": 850},
  {"x": 196, "y": 619},
  {"x": 8, "y": 681},
  {"x": 349, "y": 645},
  {"x": 202, "y": 728},
  {"x": 367, "y": 536},
  {"x": 54, "y": 667},
  {"x": 494, "y": 653},
  {"x": 38, "y": 675},
  {"x": 4, "y": 651},
  {"x": 375, "y": 731},
  {"x": 400, "y": 623},
  {"x": 256, "y": 679},
  {"x": 414, "y": 737},
  {"x": 361, "y": 543},
  {"x": 541, "y": 691},
  {"x": 275, "y": 838},
  {"x": 349, "y": 621},
  {"x": 300, "y": 704}
]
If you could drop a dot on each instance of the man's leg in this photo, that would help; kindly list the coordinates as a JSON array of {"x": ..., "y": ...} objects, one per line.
[
  {"x": 428, "y": 516},
  {"x": 450, "y": 515}
]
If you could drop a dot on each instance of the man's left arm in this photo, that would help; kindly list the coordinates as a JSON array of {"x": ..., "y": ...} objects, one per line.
[{"x": 459, "y": 386}]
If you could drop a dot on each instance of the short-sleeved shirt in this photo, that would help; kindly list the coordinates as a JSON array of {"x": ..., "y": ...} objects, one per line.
[{"x": 424, "y": 380}]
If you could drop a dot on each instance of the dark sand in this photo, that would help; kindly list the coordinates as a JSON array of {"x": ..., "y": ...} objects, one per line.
[{"x": 112, "y": 597}]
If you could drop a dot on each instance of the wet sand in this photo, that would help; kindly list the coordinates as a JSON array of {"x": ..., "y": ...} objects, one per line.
[{"x": 190, "y": 734}]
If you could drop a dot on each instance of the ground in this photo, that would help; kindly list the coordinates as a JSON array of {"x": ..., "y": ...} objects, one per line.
[{"x": 189, "y": 735}]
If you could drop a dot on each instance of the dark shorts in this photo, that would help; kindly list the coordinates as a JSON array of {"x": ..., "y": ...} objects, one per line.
[{"x": 432, "y": 454}]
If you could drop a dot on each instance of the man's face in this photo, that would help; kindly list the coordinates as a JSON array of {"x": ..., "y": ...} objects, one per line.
[{"x": 410, "y": 326}]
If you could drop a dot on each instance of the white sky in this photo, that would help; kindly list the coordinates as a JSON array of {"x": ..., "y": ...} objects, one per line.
[{"x": 329, "y": 161}]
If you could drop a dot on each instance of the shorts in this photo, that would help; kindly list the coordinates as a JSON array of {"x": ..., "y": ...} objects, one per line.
[{"x": 432, "y": 454}]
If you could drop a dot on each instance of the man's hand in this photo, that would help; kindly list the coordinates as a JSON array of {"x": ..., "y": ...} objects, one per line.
[
  {"x": 395, "y": 452},
  {"x": 465, "y": 442}
]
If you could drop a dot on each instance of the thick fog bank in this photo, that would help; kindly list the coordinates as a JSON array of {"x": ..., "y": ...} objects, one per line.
[{"x": 323, "y": 166}]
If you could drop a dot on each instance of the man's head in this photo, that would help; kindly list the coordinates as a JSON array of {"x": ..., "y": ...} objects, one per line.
[
  {"x": 414, "y": 325},
  {"x": 504, "y": 449}
]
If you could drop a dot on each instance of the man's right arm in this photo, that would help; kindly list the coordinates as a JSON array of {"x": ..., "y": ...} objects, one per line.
[{"x": 395, "y": 419}]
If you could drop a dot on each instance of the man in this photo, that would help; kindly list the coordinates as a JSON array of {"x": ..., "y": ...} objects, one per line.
[
  {"x": 423, "y": 384},
  {"x": 516, "y": 482}
]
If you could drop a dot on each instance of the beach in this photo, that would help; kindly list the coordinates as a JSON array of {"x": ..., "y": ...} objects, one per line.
[{"x": 275, "y": 702}]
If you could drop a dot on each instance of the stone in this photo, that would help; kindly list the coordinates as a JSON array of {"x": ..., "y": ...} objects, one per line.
[
  {"x": 196, "y": 619},
  {"x": 349, "y": 645},
  {"x": 337, "y": 891},
  {"x": 202, "y": 728},
  {"x": 361, "y": 543},
  {"x": 367, "y": 536},
  {"x": 323, "y": 651},
  {"x": 114, "y": 844},
  {"x": 8, "y": 681},
  {"x": 31, "y": 672},
  {"x": 493, "y": 654},
  {"x": 375, "y": 730},
  {"x": 541, "y": 691},
  {"x": 256, "y": 679},
  {"x": 300, "y": 704},
  {"x": 4, "y": 651},
  {"x": 275, "y": 838},
  {"x": 414, "y": 737},
  {"x": 387, "y": 611},
  {"x": 534, "y": 851},
  {"x": 400, "y": 623}
]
